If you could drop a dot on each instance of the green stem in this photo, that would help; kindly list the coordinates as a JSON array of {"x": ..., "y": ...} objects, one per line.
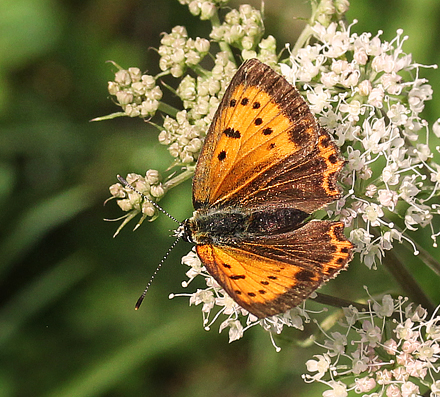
[
  {"x": 425, "y": 256},
  {"x": 110, "y": 116},
  {"x": 215, "y": 22},
  {"x": 302, "y": 39},
  {"x": 339, "y": 302},
  {"x": 162, "y": 74},
  {"x": 428, "y": 260},
  {"x": 188, "y": 173},
  {"x": 167, "y": 109},
  {"x": 407, "y": 281},
  {"x": 200, "y": 71}
]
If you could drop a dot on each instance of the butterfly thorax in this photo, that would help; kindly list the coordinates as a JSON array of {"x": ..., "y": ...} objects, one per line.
[{"x": 220, "y": 226}]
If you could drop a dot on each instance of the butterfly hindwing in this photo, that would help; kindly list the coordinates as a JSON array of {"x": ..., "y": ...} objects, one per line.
[
  {"x": 267, "y": 276},
  {"x": 262, "y": 122}
]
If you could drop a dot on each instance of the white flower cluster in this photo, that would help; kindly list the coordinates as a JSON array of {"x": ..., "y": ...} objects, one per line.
[
  {"x": 133, "y": 203},
  {"x": 201, "y": 96},
  {"x": 214, "y": 295},
  {"x": 368, "y": 93},
  {"x": 177, "y": 51},
  {"x": 206, "y": 9},
  {"x": 242, "y": 28},
  {"x": 136, "y": 93},
  {"x": 380, "y": 361}
]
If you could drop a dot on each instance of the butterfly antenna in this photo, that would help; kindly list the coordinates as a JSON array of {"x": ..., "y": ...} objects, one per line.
[
  {"x": 141, "y": 298},
  {"x": 125, "y": 183}
]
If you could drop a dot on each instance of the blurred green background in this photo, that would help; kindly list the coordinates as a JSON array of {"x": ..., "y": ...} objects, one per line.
[{"x": 67, "y": 324}]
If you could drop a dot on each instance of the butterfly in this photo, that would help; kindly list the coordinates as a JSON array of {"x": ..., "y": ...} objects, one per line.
[{"x": 265, "y": 167}]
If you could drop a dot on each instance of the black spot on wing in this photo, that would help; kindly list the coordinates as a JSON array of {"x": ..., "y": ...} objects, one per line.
[
  {"x": 300, "y": 139},
  {"x": 222, "y": 155},
  {"x": 304, "y": 275},
  {"x": 231, "y": 133},
  {"x": 333, "y": 158},
  {"x": 237, "y": 277},
  {"x": 267, "y": 131}
]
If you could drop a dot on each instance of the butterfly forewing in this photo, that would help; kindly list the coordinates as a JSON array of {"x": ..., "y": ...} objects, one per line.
[{"x": 262, "y": 122}]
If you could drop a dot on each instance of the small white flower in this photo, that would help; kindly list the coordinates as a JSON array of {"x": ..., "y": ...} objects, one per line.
[
  {"x": 353, "y": 109},
  {"x": 428, "y": 351},
  {"x": 318, "y": 99},
  {"x": 409, "y": 389},
  {"x": 235, "y": 329},
  {"x": 372, "y": 213},
  {"x": 435, "y": 389},
  {"x": 393, "y": 391},
  {"x": 390, "y": 346},
  {"x": 321, "y": 366},
  {"x": 376, "y": 97},
  {"x": 384, "y": 377},
  {"x": 364, "y": 385},
  {"x": 408, "y": 189},
  {"x": 386, "y": 309},
  {"x": 365, "y": 87},
  {"x": 337, "y": 344},
  {"x": 404, "y": 330},
  {"x": 339, "y": 389},
  {"x": 387, "y": 198},
  {"x": 370, "y": 333},
  {"x": 398, "y": 114},
  {"x": 389, "y": 174}
]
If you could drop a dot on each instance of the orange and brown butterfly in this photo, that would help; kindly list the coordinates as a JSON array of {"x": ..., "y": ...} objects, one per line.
[{"x": 265, "y": 167}]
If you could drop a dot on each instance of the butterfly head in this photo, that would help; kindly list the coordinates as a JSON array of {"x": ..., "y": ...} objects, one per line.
[{"x": 184, "y": 231}]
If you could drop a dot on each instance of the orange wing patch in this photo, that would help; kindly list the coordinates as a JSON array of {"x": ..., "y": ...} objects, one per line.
[
  {"x": 253, "y": 282},
  {"x": 257, "y": 126}
]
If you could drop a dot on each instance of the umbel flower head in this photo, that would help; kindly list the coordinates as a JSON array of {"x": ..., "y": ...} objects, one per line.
[
  {"x": 394, "y": 350},
  {"x": 367, "y": 92}
]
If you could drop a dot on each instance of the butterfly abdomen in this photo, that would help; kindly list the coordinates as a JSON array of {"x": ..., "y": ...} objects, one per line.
[{"x": 226, "y": 226}]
